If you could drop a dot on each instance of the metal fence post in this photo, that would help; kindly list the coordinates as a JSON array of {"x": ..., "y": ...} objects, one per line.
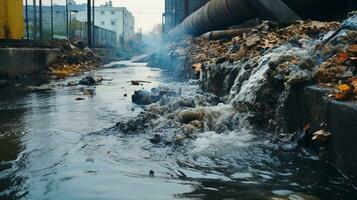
[
  {"x": 93, "y": 13},
  {"x": 27, "y": 20},
  {"x": 89, "y": 24},
  {"x": 40, "y": 19},
  {"x": 34, "y": 20},
  {"x": 52, "y": 19},
  {"x": 67, "y": 29}
]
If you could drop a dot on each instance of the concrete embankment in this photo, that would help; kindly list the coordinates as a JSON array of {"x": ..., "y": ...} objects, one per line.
[
  {"x": 311, "y": 105},
  {"x": 294, "y": 81},
  {"x": 24, "y": 61}
]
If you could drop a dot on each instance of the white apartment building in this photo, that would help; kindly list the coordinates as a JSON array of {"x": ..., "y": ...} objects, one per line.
[{"x": 117, "y": 19}]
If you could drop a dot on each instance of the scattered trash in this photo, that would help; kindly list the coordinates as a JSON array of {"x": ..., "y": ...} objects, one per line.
[
  {"x": 139, "y": 82},
  {"x": 72, "y": 83},
  {"x": 321, "y": 136},
  {"x": 89, "y": 80},
  {"x": 99, "y": 79},
  {"x": 80, "y": 99},
  {"x": 151, "y": 173},
  {"x": 346, "y": 91}
]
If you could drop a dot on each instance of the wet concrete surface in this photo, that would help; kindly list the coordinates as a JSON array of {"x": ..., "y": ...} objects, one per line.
[{"x": 55, "y": 147}]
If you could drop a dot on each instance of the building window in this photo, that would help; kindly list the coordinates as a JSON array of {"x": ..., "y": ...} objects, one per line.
[
  {"x": 113, "y": 23},
  {"x": 113, "y": 12},
  {"x": 102, "y": 12},
  {"x": 102, "y": 23}
]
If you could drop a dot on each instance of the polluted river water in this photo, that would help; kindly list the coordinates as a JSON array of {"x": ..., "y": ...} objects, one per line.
[{"x": 55, "y": 147}]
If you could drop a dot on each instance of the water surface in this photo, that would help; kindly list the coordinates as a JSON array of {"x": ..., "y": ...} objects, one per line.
[{"x": 55, "y": 147}]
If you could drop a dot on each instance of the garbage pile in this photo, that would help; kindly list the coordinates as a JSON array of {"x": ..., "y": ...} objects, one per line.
[
  {"x": 329, "y": 62},
  {"x": 256, "y": 72},
  {"x": 74, "y": 58}
]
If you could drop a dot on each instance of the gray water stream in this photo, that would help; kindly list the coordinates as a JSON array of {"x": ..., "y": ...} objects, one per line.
[{"x": 54, "y": 147}]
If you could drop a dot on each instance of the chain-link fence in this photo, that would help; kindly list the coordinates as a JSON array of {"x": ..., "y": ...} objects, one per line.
[
  {"x": 46, "y": 20},
  {"x": 49, "y": 19},
  {"x": 102, "y": 38}
]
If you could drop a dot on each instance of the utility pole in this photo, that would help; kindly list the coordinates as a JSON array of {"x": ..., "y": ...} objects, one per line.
[
  {"x": 52, "y": 19},
  {"x": 34, "y": 20},
  {"x": 186, "y": 8},
  {"x": 175, "y": 14},
  {"x": 67, "y": 28},
  {"x": 93, "y": 30},
  {"x": 123, "y": 25},
  {"x": 89, "y": 24},
  {"x": 40, "y": 15}
]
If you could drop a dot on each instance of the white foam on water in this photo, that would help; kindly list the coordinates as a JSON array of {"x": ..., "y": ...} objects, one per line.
[{"x": 213, "y": 142}]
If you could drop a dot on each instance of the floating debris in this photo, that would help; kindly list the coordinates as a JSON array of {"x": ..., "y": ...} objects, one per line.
[{"x": 139, "y": 82}]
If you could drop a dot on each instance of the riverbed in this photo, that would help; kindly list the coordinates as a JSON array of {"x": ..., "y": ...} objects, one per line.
[{"x": 54, "y": 146}]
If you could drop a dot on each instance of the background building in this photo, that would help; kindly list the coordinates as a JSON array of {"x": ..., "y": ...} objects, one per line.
[{"x": 117, "y": 19}]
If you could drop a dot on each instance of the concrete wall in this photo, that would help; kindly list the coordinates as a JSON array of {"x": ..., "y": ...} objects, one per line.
[
  {"x": 311, "y": 105},
  {"x": 25, "y": 61}
]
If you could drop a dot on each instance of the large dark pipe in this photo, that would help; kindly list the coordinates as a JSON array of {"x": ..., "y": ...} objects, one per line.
[{"x": 220, "y": 14}]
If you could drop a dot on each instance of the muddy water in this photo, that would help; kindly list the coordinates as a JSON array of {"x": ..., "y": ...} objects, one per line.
[{"x": 54, "y": 147}]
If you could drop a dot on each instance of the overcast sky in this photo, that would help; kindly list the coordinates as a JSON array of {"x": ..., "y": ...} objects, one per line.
[{"x": 147, "y": 13}]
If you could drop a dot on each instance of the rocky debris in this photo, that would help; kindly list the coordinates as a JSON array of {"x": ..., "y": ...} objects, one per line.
[
  {"x": 189, "y": 115},
  {"x": 253, "y": 74},
  {"x": 137, "y": 124},
  {"x": 89, "y": 80},
  {"x": 156, "y": 139},
  {"x": 144, "y": 97},
  {"x": 73, "y": 59},
  {"x": 151, "y": 173},
  {"x": 254, "y": 71},
  {"x": 180, "y": 115}
]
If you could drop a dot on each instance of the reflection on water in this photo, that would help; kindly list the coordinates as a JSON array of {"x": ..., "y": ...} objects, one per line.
[{"x": 54, "y": 147}]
